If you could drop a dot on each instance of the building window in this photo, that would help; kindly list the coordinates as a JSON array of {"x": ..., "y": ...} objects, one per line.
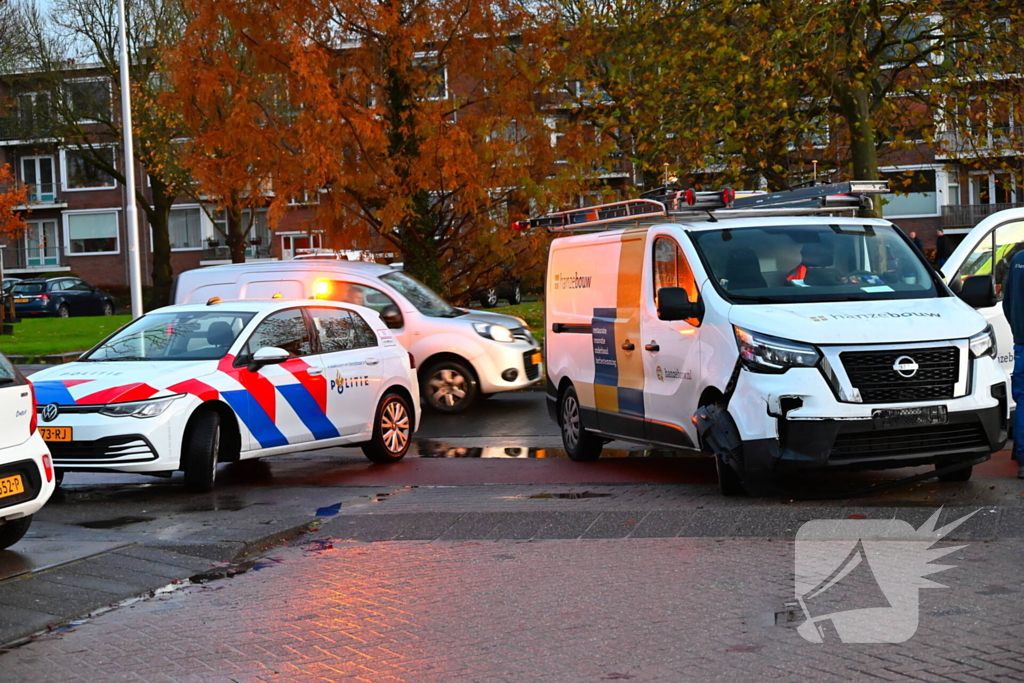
[
  {"x": 89, "y": 100},
  {"x": 93, "y": 233},
  {"x": 258, "y": 235},
  {"x": 186, "y": 228},
  {"x": 83, "y": 174},
  {"x": 917, "y": 195}
]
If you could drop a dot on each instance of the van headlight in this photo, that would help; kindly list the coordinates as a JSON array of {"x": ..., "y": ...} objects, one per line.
[
  {"x": 150, "y": 408},
  {"x": 498, "y": 333},
  {"x": 983, "y": 344},
  {"x": 762, "y": 353}
]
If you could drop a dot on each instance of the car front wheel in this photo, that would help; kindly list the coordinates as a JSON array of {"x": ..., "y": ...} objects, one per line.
[
  {"x": 392, "y": 430},
  {"x": 108, "y": 308},
  {"x": 200, "y": 450},
  {"x": 449, "y": 387}
]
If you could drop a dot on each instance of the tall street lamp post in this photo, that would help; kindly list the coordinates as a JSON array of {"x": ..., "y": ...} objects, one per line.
[{"x": 131, "y": 209}]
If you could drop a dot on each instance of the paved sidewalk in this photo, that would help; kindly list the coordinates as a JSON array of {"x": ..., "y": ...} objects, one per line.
[{"x": 671, "y": 610}]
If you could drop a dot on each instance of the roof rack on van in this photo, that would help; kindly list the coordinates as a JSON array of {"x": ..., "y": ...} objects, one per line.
[{"x": 663, "y": 203}]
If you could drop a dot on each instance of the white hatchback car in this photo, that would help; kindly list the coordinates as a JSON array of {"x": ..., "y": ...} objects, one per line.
[
  {"x": 26, "y": 471},
  {"x": 185, "y": 387}
]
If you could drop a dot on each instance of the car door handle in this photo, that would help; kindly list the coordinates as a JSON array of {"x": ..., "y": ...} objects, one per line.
[
  {"x": 628, "y": 346},
  {"x": 372, "y": 361},
  {"x": 653, "y": 347},
  {"x": 315, "y": 372}
]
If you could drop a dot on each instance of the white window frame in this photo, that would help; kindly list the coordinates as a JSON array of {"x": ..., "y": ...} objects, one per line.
[
  {"x": 444, "y": 73},
  {"x": 65, "y": 216},
  {"x": 940, "y": 187},
  {"x": 87, "y": 79},
  {"x": 205, "y": 227},
  {"x": 66, "y": 185}
]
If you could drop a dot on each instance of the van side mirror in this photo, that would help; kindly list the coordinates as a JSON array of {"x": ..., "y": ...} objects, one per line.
[
  {"x": 978, "y": 291},
  {"x": 674, "y": 304},
  {"x": 392, "y": 317},
  {"x": 268, "y": 355}
]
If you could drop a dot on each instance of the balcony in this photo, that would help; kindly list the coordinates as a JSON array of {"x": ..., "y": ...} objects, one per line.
[
  {"x": 40, "y": 195},
  {"x": 17, "y": 128},
  {"x": 1001, "y": 141},
  {"x": 33, "y": 259},
  {"x": 969, "y": 215},
  {"x": 221, "y": 253}
]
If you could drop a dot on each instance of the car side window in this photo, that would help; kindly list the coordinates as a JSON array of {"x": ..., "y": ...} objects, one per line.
[
  {"x": 979, "y": 261},
  {"x": 79, "y": 286},
  {"x": 60, "y": 285},
  {"x": 285, "y": 330},
  {"x": 671, "y": 268},
  {"x": 341, "y": 330},
  {"x": 360, "y": 295},
  {"x": 1009, "y": 240}
]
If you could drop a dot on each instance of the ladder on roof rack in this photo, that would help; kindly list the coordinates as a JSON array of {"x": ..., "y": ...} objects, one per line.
[{"x": 666, "y": 202}]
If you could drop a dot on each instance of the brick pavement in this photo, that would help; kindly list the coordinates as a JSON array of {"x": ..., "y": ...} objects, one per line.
[{"x": 682, "y": 609}]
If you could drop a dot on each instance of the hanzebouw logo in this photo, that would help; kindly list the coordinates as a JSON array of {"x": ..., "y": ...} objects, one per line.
[
  {"x": 857, "y": 580},
  {"x": 574, "y": 281},
  {"x": 340, "y": 384}
]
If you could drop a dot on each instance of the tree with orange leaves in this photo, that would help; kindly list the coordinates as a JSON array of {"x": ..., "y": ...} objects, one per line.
[
  {"x": 429, "y": 125},
  {"x": 12, "y": 221}
]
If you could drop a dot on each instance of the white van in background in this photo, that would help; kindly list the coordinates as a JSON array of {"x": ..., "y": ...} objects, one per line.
[
  {"x": 460, "y": 354},
  {"x": 986, "y": 251}
]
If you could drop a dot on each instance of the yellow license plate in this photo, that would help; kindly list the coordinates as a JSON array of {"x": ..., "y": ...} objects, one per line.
[
  {"x": 55, "y": 433},
  {"x": 11, "y": 486},
  {"x": 21, "y": 301},
  {"x": 536, "y": 358}
]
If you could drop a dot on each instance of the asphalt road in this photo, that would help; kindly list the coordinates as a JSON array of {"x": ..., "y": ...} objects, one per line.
[{"x": 494, "y": 473}]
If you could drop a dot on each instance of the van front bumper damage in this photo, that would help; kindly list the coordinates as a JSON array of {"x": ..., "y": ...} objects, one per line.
[{"x": 775, "y": 424}]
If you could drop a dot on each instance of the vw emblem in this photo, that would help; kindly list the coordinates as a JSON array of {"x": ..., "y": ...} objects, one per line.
[
  {"x": 905, "y": 366},
  {"x": 50, "y": 412}
]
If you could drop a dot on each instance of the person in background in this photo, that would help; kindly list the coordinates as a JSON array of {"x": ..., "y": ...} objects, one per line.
[
  {"x": 942, "y": 249},
  {"x": 917, "y": 241},
  {"x": 1013, "y": 309}
]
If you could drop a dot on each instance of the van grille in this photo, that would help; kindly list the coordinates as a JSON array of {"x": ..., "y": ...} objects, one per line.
[
  {"x": 872, "y": 373},
  {"x": 890, "y": 443}
]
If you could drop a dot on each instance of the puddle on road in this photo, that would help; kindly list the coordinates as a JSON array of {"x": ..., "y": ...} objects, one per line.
[
  {"x": 438, "y": 449},
  {"x": 114, "y": 523},
  {"x": 573, "y": 496},
  {"x": 228, "y": 502}
]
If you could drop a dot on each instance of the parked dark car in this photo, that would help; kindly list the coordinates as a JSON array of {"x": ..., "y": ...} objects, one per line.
[
  {"x": 60, "y": 296},
  {"x": 510, "y": 290},
  {"x": 7, "y": 283}
]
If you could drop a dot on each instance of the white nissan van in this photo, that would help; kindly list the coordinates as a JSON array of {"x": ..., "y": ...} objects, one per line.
[
  {"x": 460, "y": 354},
  {"x": 782, "y": 341}
]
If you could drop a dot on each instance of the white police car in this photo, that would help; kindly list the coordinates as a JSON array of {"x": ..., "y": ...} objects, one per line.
[{"x": 185, "y": 387}]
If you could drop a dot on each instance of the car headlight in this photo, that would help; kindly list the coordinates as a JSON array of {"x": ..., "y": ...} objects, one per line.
[
  {"x": 150, "y": 408},
  {"x": 762, "y": 353},
  {"x": 498, "y": 333},
  {"x": 983, "y": 344}
]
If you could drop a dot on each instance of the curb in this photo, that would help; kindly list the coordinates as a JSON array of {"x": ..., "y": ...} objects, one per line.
[{"x": 52, "y": 599}]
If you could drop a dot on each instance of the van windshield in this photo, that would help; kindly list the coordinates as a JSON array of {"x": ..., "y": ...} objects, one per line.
[
  {"x": 191, "y": 335},
  {"x": 419, "y": 295},
  {"x": 814, "y": 263}
]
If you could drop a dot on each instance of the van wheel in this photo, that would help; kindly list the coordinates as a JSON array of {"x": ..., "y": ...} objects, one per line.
[
  {"x": 12, "y": 531},
  {"x": 729, "y": 482},
  {"x": 199, "y": 452},
  {"x": 958, "y": 475},
  {"x": 392, "y": 430},
  {"x": 449, "y": 387},
  {"x": 580, "y": 445}
]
